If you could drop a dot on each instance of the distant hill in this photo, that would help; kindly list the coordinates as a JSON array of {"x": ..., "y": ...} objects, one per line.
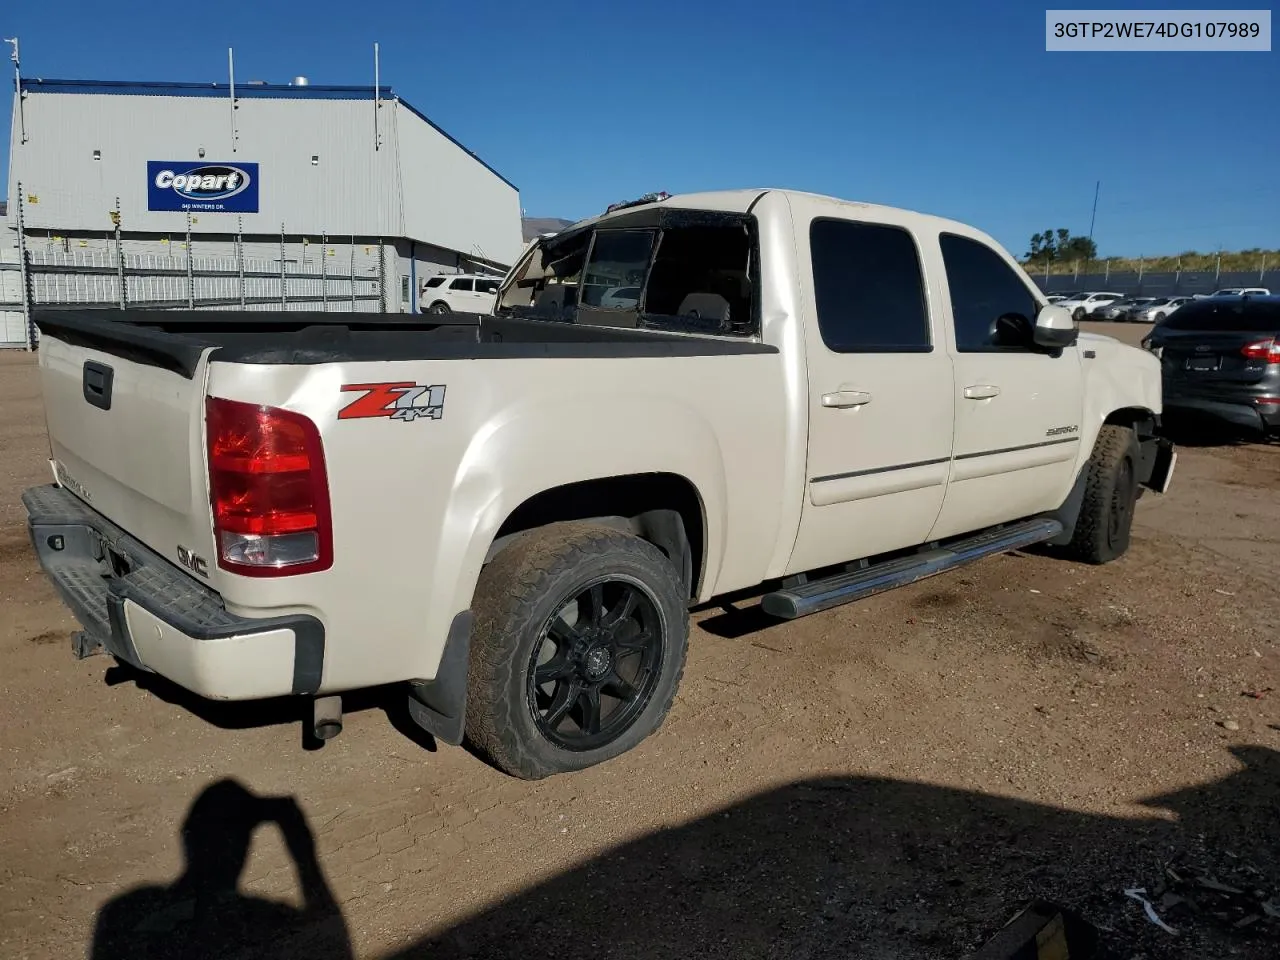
[{"x": 536, "y": 226}]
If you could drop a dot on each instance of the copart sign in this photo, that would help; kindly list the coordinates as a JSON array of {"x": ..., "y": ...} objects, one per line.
[{"x": 203, "y": 186}]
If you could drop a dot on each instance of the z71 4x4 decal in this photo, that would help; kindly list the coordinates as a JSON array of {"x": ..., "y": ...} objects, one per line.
[{"x": 398, "y": 401}]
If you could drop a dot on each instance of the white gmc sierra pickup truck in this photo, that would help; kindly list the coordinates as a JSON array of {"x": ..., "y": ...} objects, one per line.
[{"x": 513, "y": 513}]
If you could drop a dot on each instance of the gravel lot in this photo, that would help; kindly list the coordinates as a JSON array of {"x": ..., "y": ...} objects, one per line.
[{"x": 890, "y": 779}]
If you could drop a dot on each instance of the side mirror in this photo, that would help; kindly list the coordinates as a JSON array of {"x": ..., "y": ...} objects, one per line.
[{"x": 1054, "y": 329}]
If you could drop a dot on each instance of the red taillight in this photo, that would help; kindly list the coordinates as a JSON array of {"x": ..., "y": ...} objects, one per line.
[
  {"x": 1267, "y": 350},
  {"x": 269, "y": 490}
]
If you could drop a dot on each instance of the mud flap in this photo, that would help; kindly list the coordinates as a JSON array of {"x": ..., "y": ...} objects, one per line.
[
  {"x": 1070, "y": 510},
  {"x": 1160, "y": 473},
  {"x": 439, "y": 706}
]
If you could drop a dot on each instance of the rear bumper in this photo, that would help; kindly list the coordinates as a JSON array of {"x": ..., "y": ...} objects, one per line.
[
  {"x": 1240, "y": 413},
  {"x": 148, "y": 613}
]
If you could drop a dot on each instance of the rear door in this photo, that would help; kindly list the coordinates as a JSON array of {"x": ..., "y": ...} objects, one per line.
[
  {"x": 127, "y": 437},
  {"x": 462, "y": 294},
  {"x": 880, "y": 390}
]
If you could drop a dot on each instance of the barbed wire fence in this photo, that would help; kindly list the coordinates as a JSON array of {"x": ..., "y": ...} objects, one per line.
[{"x": 187, "y": 271}]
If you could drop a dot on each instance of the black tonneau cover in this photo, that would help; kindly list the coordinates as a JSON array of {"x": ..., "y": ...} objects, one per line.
[{"x": 176, "y": 339}]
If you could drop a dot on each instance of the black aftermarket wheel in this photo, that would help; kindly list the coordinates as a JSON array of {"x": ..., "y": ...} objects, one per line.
[
  {"x": 1105, "y": 522},
  {"x": 578, "y": 647}
]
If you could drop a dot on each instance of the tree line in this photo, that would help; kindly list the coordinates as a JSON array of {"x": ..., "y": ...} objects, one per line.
[{"x": 1057, "y": 245}]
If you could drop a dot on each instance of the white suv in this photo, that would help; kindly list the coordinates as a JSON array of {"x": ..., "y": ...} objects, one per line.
[
  {"x": 1085, "y": 303},
  {"x": 464, "y": 292},
  {"x": 1241, "y": 292}
]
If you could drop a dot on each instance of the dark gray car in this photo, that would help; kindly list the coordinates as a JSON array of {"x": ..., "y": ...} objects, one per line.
[{"x": 1220, "y": 359}]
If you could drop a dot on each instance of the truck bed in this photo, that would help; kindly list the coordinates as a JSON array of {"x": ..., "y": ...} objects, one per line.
[{"x": 175, "y": 340}]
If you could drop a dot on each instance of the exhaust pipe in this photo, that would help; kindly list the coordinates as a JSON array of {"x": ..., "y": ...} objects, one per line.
[{"x": 326, "y": 717}]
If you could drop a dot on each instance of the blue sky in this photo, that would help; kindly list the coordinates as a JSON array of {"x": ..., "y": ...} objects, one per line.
[{"x": 942, "y": 107}]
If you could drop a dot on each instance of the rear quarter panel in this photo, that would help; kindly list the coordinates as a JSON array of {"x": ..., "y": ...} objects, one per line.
[{"x": 417, "y": 503}]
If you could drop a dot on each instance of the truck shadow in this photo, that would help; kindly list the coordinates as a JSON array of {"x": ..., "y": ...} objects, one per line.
[
  {"x": 877, "y": 868},
  {"x": 392, "y": 700},
  {"x": 839, "y": 866}
]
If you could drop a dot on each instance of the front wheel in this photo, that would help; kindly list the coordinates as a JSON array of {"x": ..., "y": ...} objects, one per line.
[
  {"x": 1078, "y": 314},
  {"x": 1159, "y": 318},
  {"x": 579, "y": 645},
  {"x": 1111, "y": 492}
]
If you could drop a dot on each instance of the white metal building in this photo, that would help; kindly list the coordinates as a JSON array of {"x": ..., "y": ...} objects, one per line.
[{"x": 333, "y": 170}]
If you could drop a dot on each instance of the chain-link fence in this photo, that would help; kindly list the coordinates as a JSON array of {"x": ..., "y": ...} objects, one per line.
[{"x": 199, "y": 271}]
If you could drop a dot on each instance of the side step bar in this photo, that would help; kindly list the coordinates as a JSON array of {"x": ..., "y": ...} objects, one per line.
[{"x": 819, "y": 595}]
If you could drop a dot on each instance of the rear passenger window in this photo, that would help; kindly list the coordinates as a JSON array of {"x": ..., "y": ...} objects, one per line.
[
  {"x": 983, "y": 287},
  {"x": 868, "y": 288}
]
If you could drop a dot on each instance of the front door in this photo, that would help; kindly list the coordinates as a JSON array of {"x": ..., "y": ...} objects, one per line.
[
  {"x": 880, "y": 391},
  {"x": 1017, "y": 409}
]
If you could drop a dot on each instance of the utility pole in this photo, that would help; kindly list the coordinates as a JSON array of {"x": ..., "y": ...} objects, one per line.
[
  {"x": 1097, "y": 187},
  {"x": 17, "y": 87}
]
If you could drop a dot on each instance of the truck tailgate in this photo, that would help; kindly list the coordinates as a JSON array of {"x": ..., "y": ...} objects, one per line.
[{"x": 127, "y": 438}]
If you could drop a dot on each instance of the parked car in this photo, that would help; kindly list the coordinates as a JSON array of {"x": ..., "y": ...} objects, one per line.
[
  {"x": 1241, "y": 292},
  {"x": 623, "y": 297},
  {"x": 462, "y": 292},
  {"x": 1059, "y": 297},
  {"x": 511, "y": 515},
  {"x": 1118, "y": 309},
  {"x": 1083, "y": 304},
  {"x": 1220, "y": 360},
  {"x": 1157, "y": 309}
]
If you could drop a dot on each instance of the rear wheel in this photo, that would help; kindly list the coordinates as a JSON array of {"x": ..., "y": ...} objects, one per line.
[
  {"x": 439, "y": 307},
  {"x": 579, "y": 645},
  {"x": 1111, "y": 490}
]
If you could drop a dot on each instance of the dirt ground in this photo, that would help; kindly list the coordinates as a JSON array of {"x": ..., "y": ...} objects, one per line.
[{"x": 891, "y": 779}]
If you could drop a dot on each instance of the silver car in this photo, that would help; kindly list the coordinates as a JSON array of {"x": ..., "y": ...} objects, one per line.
[
  {"x": 1118, "y": 309},
  {"x": 1158, "y": 309}
]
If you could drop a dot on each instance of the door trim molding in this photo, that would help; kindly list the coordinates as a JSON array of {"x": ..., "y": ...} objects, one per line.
[
  {"x": 1025, "y": 446},
  {"x": 875, "y": 470}
]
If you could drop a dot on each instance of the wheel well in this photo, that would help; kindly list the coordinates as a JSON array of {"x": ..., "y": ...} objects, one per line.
[
  {"x": 663, "y": 508},
  {"x": 1144, "y": 422}
]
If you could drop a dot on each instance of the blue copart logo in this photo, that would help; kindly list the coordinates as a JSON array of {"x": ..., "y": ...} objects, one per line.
[{"x": 213, "y": 182}]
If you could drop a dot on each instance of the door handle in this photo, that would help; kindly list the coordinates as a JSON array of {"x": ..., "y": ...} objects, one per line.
[
  {"x": 845, "y": 398},
  {"x": 981, "y": 391}
]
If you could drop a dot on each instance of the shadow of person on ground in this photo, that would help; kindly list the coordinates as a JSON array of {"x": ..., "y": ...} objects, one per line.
[
  {"x": 879, "y": 869},
  {"x": 203, "y": 915}
]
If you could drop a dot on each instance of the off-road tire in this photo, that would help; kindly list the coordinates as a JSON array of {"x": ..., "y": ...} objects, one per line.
[
  {"x": 516, "y": 596},
  {"x": 1111, "y": 490}
]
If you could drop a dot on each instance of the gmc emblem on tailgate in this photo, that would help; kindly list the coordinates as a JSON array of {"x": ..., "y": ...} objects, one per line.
[{"x": 193, "y": 562}]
